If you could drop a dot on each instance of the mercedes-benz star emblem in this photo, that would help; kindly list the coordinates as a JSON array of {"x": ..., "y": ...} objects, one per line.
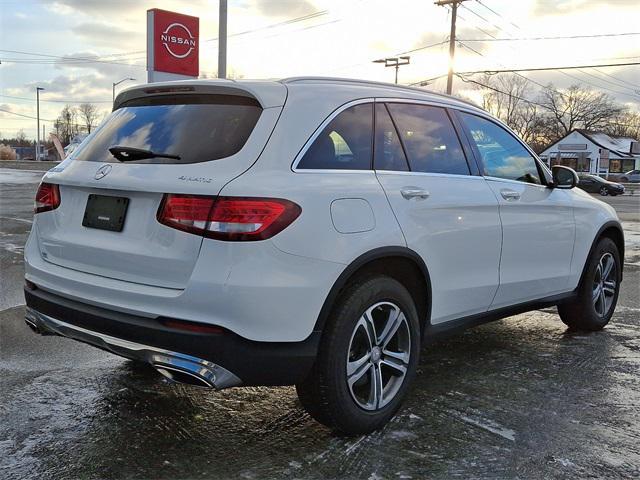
[{"x": 102, "y": 172}]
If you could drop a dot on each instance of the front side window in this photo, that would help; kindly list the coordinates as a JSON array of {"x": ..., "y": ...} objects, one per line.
[
  {"x": 502, "y": 155},
  {"x": 345, "y": 143},
  {"x": 429, "y": 139}
]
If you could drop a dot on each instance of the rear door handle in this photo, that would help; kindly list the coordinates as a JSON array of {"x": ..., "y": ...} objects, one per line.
[
  {"x": 510, "y": 194},
  {"x": 414, "y": 192}
]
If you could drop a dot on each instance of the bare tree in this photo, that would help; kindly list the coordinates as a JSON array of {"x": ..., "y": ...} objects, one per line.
[
  {"x": 89, "y": 115},
  {"x": 21, "y": 139},
  {"x": 510, "y": 98},
  {"x": 66, "y": 124},
  {"x": 577, "y": 107},
  {"x": 626, "y": 124}
]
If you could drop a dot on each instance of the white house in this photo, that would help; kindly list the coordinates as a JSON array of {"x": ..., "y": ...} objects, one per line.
[{"x": 594, "y": 152}]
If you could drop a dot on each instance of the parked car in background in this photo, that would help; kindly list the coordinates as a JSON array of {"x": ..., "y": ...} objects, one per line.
[
  {"x": 632, "y": 176},
  {"x": 595, "y": 184},
  {"x": 311, "y": 232}
]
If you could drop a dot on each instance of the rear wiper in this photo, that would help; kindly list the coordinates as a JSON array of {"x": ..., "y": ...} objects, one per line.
[{"x": 129, "y": 154}]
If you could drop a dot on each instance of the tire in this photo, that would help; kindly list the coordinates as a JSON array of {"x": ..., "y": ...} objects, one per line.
[
  {"x": 624, "y": 179},
  {"x": 346, "y": 401},
  {"x": 604, "y": 192},
  {"x": 584, "y": 313}
]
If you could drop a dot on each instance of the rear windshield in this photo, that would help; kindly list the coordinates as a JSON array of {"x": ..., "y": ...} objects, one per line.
[{"x": 197, "y": 128}]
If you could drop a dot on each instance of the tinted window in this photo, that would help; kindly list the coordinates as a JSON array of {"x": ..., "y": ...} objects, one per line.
[
  {"x": 198, "y": 128},
  {"x": 502, "y": 155},
  {"x": 388, "y": 149},
  {"x": 429, "y": 139},
  {"x": 345, "y": 143}
]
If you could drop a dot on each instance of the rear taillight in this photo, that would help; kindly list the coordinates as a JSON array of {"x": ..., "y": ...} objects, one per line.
[
  {"x": 47, "y": 198},
  {"x": 228, "y": 218}
]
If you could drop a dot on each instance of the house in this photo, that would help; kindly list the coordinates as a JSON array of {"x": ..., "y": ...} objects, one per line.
[{"x": 594, "y": 152}]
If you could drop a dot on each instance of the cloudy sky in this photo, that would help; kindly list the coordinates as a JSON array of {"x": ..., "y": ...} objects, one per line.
[{"x": 75, "y": 49}]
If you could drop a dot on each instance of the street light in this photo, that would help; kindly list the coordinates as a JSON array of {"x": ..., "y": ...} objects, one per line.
[
  {"x": 38, "y": 120},
  {"x": 118, "y": 83},
  {"x": 396, "y": 62}
]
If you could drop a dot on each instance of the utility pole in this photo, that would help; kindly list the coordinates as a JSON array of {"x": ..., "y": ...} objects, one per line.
[
  {"x": 38, "y": 120},
  {"x": 396, "y": 62},
  {"x": 222, "y": 40},
  {"x": 452, "y": 38}
]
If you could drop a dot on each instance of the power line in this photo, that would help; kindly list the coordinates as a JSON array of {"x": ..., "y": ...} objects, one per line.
[
  {"x": 25, "y": 116},
  {"x": 422, "y": 48},
  {"x": 496, "y": 13},
  {"x": 65, "y": 59},
  {"x": 58, "y": 101},
  {"x": 618, "y": 79},
  {"x": 565, "y": 37},
  {"x": 309, "y": 16},
  {"x": 482, "y": 18},
  {"x": 568, "y": 67},
  {"x": 538, "y": 69}
]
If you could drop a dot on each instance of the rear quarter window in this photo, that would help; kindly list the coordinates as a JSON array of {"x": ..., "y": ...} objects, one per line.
[
  {"x": 345, "y": 143},
  {"x": 197, "y": 128}
]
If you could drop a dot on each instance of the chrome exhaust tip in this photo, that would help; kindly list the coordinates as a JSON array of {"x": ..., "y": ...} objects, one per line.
[
  {"x": 32, "y": 325},
  {"x": 183, "y": 376}
]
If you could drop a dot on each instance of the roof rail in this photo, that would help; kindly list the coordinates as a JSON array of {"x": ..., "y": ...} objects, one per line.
[{"x": 373, "y": 83}]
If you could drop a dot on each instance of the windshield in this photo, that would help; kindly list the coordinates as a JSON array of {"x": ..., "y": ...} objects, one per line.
[{"x": 195, "y": 128}]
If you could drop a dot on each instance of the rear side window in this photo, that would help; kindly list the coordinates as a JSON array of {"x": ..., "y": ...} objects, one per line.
[
  {"x": 429, "y": 139},
  {"x": 197, "y": 128},
  {"x": 389, "y": 154},
  {"x": 345, "y": 143},
  {"x": 502, "y": 155}
]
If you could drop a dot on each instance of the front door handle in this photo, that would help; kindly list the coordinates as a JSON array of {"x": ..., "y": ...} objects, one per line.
[
  {"x": 414, "y": 192},
  {"x": 510, "y": 194}
]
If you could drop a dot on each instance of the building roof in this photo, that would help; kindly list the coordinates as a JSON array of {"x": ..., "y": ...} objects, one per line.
[{"x": 619, "y": 145}]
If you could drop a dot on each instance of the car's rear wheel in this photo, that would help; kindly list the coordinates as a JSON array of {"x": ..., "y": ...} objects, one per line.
[
  {"x": 624, "y": 179},
  {"x": 598, "y": 292},
  {"x": 604, "y": 192},
  {"x": 367, "y": 358}
]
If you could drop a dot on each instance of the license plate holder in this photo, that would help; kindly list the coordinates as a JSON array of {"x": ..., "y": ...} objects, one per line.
[{"x": 105, "y": 212}]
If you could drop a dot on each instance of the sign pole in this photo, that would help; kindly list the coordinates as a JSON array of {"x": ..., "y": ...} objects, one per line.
[{"x": 222, "y": 40}]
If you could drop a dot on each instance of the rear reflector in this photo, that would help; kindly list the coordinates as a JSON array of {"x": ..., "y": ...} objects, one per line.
[
  {"x": 228, "y": 218},
  {"x": 192, "y": 326},
  {"x": 47, "y": 198}
]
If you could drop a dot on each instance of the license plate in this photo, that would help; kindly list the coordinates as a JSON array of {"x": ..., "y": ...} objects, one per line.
[{"x": 105, "y": 213}]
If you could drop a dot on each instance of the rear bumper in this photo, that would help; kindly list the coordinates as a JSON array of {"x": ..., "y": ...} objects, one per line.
[{"x": 218, "y": 360}]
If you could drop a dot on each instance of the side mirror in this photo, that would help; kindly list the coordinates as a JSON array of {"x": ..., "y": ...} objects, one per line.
[{"x": 564, "y": 177}]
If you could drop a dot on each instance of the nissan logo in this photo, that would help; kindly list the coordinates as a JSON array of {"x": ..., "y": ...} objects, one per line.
[
  {"x": 178, "y": 41},
  {"x": 102, "y": 172}
]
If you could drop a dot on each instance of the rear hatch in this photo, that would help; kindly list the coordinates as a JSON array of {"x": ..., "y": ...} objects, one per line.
[{"x": 106, "y": 222}]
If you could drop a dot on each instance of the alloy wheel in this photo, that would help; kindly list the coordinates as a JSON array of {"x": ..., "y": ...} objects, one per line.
[
  {"x": 604, "y": 192},
  {"x": 378, "y": 356},
  {"x": 604, "y": 284}
]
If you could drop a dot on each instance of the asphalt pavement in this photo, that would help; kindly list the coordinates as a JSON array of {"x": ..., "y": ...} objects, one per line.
[{"x": 517, "y": 398}]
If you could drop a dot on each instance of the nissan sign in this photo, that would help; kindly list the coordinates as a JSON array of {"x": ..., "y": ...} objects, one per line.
[{"x": 172, "y": 45}]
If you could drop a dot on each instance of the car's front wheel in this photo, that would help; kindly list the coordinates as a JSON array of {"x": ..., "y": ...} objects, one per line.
[
  {"x": 367, "y": 358},
  {"x": 604, "y": 192},
  {"x": 598, "y": 293}
]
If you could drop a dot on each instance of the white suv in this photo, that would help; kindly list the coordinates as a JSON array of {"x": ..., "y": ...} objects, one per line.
[{"x": 310, "y": 232}]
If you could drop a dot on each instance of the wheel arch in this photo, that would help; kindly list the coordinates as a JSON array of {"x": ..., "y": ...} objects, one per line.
[
  {"x": 613, "y": 230},
  {"x": 400, "y": 263}
]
